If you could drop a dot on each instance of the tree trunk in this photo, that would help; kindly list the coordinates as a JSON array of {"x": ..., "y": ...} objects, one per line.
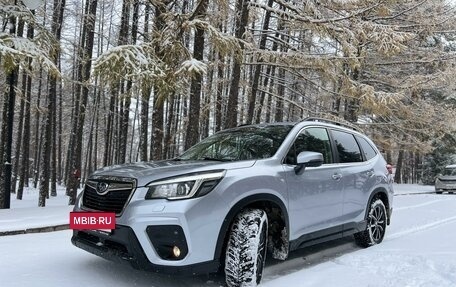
[
  {"x": 57, "y": 21},
  {"x": 20, "y": 125},
  {"x": 219, "y": 96},
  {"x": 38, "y": 134},
  {"x": 242, "y": 8},
  {"x": 256, "y": 76},
  {"x": 109, "y": 137},
  {"x": 157, "y": 125},
  {"x": 270, "y": 71},
  {"x": 195, "y": 86},
  {"x": 48, "y": 164},
  {"x": 24, "y": 171},
  {"x": 18, "y": 144},
  {"x": 281, "y": 94},
  {"x": 125, "y": 94},
  {"x": 76, "y": 89},
  {"x": 26, "y": 81},
  {"x": 146, "y": 90},
  {"x": 86, "y": 64},
  {"x": 60, "y": 129},
  {"x": 7, "y": 131},
  {"x": 170, "y": 119},
  {"x": 158, "y": 109},
  {"x": 398, "y": 175}
]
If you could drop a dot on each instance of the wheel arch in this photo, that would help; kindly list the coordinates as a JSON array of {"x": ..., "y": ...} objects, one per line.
[
  {"x": 262, "y": 201},
  {"x": 382, "y": 194}
]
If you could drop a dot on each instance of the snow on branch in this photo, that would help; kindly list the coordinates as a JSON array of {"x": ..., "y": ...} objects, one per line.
[
  {"x": 388, "y": 41},
  {"x": 192, "y": 66},
  {"x": 223, "y": 43},
  {"x": 297, "y": 12},
  {"x": 16, "y": 10},
  {"x": 129, "y": 62},
  {"x": 15, "y": 51}
]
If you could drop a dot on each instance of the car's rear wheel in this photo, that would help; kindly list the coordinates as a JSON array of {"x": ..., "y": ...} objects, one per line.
[
  {"x": 376, "y": 225},
  {"x": 246, "y": 248},
  {"x": 438, "y": 192}
]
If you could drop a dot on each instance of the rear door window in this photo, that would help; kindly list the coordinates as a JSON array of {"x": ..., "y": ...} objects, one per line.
[{"x": 347, "y": 147}]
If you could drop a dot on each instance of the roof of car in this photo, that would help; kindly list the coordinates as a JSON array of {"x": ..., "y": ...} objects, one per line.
[
  {"x": 451, "y": 166},
  {"x": 338, "y": 123},
  {"x": 269, "y": 124}
]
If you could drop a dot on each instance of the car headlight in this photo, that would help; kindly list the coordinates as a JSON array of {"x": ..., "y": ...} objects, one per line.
[{"x": 183, "y": 187}]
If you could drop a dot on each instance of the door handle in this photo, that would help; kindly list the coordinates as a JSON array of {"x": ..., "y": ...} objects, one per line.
[
  {"x": 370, "y": 173},
  {"x": 337, "y": 176}
]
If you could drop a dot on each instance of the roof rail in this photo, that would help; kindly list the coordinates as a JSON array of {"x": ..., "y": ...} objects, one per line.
[{"x": 334, "y": 122}]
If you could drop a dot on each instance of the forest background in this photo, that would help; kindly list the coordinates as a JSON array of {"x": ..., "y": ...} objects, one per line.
[{"x": 92, "y": 83}]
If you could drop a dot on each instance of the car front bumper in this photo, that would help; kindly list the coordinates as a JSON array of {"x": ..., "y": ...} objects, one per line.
[
  {"x": 147, "y": 231},
  {"x": 443, "y": 186},
  {"x": 122, "y": 245}
]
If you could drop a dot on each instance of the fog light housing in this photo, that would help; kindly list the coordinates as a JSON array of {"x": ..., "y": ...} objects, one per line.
[
  {"x": 176, "y": 252},
  {"x": 168, "y": 241}
]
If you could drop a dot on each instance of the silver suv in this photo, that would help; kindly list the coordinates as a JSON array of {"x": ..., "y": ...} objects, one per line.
[
  {"x": 239, "y": 194},
  {"x": 446, "y": 181}
]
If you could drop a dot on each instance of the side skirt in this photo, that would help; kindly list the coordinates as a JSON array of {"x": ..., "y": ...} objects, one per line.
[{"x": 328, "y": 234}]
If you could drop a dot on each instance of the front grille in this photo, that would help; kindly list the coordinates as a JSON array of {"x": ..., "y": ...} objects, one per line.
[{"x": 114, "y": 200}]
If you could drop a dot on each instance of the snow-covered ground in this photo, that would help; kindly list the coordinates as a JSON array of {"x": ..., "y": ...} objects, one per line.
[
  {"x": 25, "y": 213},
  {"x": 418, "y": 250}
]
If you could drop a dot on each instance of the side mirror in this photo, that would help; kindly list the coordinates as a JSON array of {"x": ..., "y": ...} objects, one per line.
[{"x": 308, "y": 159}]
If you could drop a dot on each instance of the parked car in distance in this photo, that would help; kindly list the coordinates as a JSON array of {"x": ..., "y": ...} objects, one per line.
[
  {"x": 238, "y": 195},
  {"x": 446, "y": 181}
]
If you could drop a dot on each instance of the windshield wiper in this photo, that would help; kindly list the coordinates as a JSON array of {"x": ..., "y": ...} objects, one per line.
[{"x": 214, "y": 159}]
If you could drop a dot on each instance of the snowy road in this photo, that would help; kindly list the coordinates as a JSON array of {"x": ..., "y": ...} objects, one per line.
[{"x": 418, "y": 250}]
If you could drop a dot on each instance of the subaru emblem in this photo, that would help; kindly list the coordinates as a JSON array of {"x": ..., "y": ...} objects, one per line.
[{"x": 102, "y": 188}]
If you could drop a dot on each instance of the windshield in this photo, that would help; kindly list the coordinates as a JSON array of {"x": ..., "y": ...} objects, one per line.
[
  {"x": 449, "y": 171},
  {"x": 243, "y": 143}
]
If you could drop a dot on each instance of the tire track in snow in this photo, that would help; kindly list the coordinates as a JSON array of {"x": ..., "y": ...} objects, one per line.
[
  {"x": 420, "y": 228},
  {"x": 419, "y": 205},
  {"x": 415, "y": 193}
]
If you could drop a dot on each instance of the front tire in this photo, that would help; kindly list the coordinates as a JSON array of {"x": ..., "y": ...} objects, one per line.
[
  {"x": 246, "y": 248},
  {"x": 376, "y": 225}
]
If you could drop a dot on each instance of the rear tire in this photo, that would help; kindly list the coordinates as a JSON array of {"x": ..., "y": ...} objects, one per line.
[
  {"x": 376, "y": 225},
  {"x": 246, "y": 249},
  {"x": 438, "y": 192}
]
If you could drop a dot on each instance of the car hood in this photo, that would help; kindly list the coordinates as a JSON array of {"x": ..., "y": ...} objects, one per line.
[{"x": 145, "y": 172}]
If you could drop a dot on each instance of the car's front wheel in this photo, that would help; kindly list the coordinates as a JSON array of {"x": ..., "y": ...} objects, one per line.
[
  {"x": 246, "y": 248},
  {"x": 376, "y": 225}
]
